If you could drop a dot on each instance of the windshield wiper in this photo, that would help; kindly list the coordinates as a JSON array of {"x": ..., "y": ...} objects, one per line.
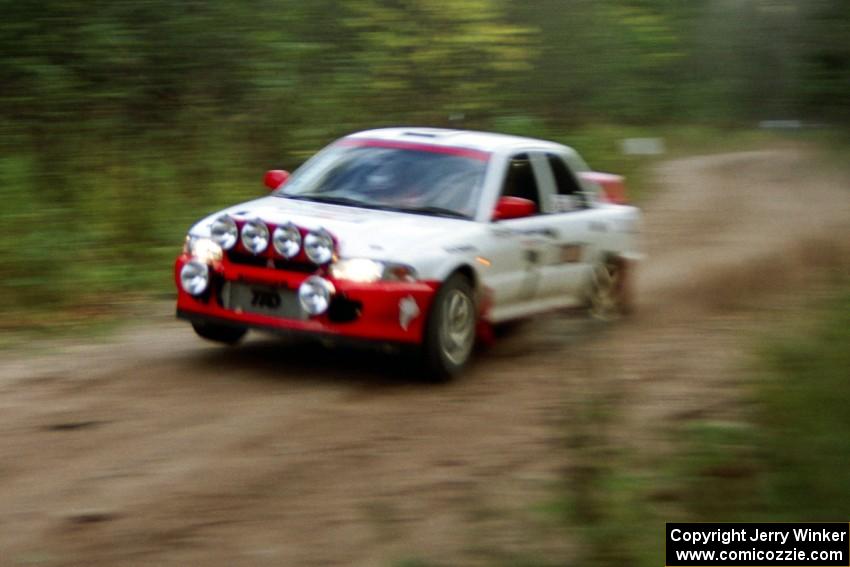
[
  {"x": 433, "y": 211},
  {"x": 429, "y": 210},
  {"x": 330, "y": 200}
]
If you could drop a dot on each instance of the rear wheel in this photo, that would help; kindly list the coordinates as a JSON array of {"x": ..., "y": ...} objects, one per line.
[
  {"x": 610, "y": 294},
  {"x": 450, "y": 332},
  {"x": 219, "y": 333}
]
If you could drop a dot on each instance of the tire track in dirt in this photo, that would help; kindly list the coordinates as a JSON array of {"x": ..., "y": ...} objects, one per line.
[{"x": 160, "y": 449}]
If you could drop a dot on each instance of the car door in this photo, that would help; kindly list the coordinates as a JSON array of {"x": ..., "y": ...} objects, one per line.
[
  {"x": 573, "y": 220},
  {"x": 523, "y": 253}
]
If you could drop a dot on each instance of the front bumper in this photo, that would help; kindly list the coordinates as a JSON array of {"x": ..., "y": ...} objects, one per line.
[{"x": 373, "y": 310}]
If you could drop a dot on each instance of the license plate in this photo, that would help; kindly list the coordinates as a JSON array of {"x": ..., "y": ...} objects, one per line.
[{"x": 276, "y": 302}]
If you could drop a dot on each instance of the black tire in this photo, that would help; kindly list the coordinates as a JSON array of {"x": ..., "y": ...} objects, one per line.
[
  {"x": 219, "y": 333},
  {"x": 450, "y": 330}
]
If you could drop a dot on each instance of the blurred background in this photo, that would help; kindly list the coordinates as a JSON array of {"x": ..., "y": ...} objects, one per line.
[{"x": 123, "y": 122}]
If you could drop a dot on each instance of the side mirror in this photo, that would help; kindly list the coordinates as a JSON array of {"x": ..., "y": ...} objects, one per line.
[
  {"x": 275, "y": 178},
  {"x": 513, "y": 208}
]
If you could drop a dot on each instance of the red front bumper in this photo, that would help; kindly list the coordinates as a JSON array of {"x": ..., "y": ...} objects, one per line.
[{"x": 377, "y": 317}]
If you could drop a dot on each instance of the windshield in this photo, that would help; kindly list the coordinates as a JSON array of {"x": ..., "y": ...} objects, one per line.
[{"x": 410, "y": 178}]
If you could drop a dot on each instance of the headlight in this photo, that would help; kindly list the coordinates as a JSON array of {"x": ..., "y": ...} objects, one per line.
[
  {"x": 314, "y": 295},
  {"x": 255, "y": 236},
  {"x": 203, "y": 249},
  {"x": 224, "y": 232},
  {"x": 287, "y": 240},
  {"x": 363, "y": 270},
  {"x": 357, "y": 270},
  {"x": 194, "y": 277},
  {"x": 319, "y": 246}
]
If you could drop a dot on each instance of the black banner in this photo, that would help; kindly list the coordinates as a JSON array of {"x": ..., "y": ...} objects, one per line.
[{"x": 758, "y": 545}]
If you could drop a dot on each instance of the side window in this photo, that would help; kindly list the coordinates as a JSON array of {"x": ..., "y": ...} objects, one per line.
[
  {"x": 520, "y": 180},
  {"x": 570, "y": 195}
]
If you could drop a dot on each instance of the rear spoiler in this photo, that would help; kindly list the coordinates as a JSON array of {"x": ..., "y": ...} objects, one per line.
[{"x": 613, "y": 186}]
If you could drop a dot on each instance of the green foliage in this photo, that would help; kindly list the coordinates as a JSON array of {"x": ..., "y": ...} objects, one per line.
[
  {"x": 431, "y": 58},
  {"x": 805, "y": 397},
  {"x": 786, "y": 463},
  {"x": 825, "y": 64},
  {"x": 789, "y": 465}
]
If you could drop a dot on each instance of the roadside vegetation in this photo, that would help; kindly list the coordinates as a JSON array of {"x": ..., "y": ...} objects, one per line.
[{"x": 782, "y": 459}]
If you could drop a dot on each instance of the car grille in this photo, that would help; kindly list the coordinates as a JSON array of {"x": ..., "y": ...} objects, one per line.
[{"x": 262, "y": 261}]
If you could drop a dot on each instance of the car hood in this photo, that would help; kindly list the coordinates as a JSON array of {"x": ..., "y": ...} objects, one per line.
[{"x": 360, "y": 232}]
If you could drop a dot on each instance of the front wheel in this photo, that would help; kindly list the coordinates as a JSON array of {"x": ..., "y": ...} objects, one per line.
[
  {"x": 219, "y": 333},
  {"x": 450, "y": 331}
]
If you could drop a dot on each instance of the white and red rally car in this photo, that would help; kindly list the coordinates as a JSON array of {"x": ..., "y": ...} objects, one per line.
[{"x": 423, "y": 237}]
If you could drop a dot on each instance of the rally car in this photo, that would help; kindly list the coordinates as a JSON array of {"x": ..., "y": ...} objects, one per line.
[{"x": 413, "y": 236}]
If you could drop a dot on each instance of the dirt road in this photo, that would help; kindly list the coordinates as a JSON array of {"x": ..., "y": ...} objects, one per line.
[{"x": 157, "y": 448}]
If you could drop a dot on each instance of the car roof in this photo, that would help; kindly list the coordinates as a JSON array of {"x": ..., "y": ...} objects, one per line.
[{"x": 468, "y": 139}]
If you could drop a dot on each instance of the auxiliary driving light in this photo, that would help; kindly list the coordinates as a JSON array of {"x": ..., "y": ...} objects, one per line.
[
  {"x": 315, "y": 295},
  {"x": 255, "y": 236},
  {"x": 287, "y": 240},
  {"x": 194, "y": 277},
  {"x": 319, "y": 246},
  {"x": 224, "y": 232}
]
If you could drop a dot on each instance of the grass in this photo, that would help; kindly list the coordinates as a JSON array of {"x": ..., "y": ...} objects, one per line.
[
  {"x": 784, "y": 461},
  {"x": 805, "y": 396},
  {"x": 604, "y": 499},
  {"x": 789, "y": 463}
]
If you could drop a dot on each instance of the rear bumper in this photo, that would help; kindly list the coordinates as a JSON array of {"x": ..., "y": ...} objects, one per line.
[{"x": 374, "y": 314}]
